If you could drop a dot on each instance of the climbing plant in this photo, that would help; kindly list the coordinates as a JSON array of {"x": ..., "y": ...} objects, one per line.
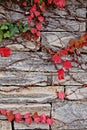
[{"x": 32, "y": 31}]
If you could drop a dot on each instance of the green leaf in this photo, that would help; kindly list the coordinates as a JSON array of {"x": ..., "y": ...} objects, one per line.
[
  {"x": 26, "y": 28},
  {"x": 41, "y": 1},
  {"x": 7, "y": 23},
  {"x": 4, "y": 27},
  {"x": 1, "y": 35},
  {"x": 20, "y": 27},
  {"x": 13, "y": 30},
  {"x": 7, "y": 34}
]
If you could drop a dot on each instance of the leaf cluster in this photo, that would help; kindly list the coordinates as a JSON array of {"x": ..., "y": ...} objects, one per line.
[{"x": 9, "y": 29}]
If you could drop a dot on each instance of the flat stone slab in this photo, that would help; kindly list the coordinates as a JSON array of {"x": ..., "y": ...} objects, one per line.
[
  {"x": 69, "y": 115},
  {"x": 75, "y": 78},
  {"x": 76, "y": 92},
  {"x": 34, "y": 94},
  {"x": 33, "y": 126},
  {"x": 57, "y": 40}
]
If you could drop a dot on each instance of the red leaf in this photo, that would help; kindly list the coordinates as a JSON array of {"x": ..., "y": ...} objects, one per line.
[
  {"x": 39, "y": 26},
  {"x": 56, "y": 59},
  {"x": 37, "y": 13},
  {"x": 49, "y": 121},
  {"x": 41, "y": 18},
  {"x": 33, "y": 9},
  {"x": 28, "y": 120},
  {"x": 24, "y": 3},
  {"x": 43, "y": 118},
  {"x": 49, "y": 1},
  {"x": 33, "y": 30},
  {"x": 60, "y": 74},
  {"x": 3, "y": 112},
  {"x": 18, "y": 117},
  {"x": 43, "y": 7},
  {"x": 5, "y": 52},
  {"x": 37, "y": 119},
  {"x": 36, "y": 1},
  {"x": 38, "y": 33},
  {"x": 67, "y": 64},
  {"x": 61, "y": 95},
  {"x": 10, "y": 116},
  {"x": 63, "y": 52},
  {"x": 26, "y": 36},
  {"x": 26, "y": 115},
  {"x": 35, "y": 37},
  {"x": 60, "y": 3},
  {"x": 84, "y": 37},
  {"x": 35, "y": 115},
  {"x": 30, "y": 17}
]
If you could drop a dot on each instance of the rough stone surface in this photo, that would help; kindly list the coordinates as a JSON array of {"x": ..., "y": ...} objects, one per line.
[
  {"x": 4, "y": 125},
  {"x": 56, "y": 40},
  {"x": 33, "y": 126},
  {"x": 69, "y": 115},
  {"x": 29, "y": 80},
  {"x": 69, "y": 19},
  {"x": 77, "y": 78},
  {"x": 76, "y": 92},
  {"x": 29, "y": 94},
  {"x": 14, "y": 16}
]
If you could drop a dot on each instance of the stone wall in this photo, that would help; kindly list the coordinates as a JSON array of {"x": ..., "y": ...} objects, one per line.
[{"x": 28, "y": 80}]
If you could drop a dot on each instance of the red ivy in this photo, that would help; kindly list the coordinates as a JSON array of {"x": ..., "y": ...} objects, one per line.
[
  {"x": 60, "y": 74},
  {"x": 5, "y": 52},
  {"x": 67, "y": 64},
  {"x": 27, "y": 117},
  {"x": 56, "y": 59},
  {"x": 60, "y": 95},
  {"x": 36, "y": 14}
]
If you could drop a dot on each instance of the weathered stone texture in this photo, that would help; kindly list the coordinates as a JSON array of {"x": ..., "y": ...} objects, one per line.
[
  {"x": 72, "y": 18},
  {"x": 33, "y": 126},
  {"x": 69, "y": 115},
  {"x": 77, "y": 78},
  {"x": 29, "y": 94},
  {"x": 29, "y": 80},
  {"x": 76, "y": 92},
  {"x": 4, "y": 125}
]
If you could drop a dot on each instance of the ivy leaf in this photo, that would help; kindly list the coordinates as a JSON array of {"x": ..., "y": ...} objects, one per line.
[
  {"x": 56, "y": 59},
  {"x": 60, "y": 95},
  {"x": 18, "y": 117},
  {"x": 7, "y": 34},
  {"x": 41, "y": 1},
  {"x": 60, "y": 74},
  {"x": 4, "y": 27},
  {"x": 5, "y": 52},
  {"x": 67, "y": 64},
  {"x": 43, "y": 7},
  {"x": 20, "y": 26},
  {"x": 26, "y": 28},
  {"x": 1, "y": 35},
  {"x": 13, "y": 30},
  {"x": 10, "y": 116}
]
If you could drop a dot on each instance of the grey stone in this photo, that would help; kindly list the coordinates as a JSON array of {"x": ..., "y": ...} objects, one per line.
[
  {"x": 5, "y": 125},
  {"x": 29, "y": 94},
  {"x": 76, "y": 92},
  {"x": 69, "y": 115}
]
